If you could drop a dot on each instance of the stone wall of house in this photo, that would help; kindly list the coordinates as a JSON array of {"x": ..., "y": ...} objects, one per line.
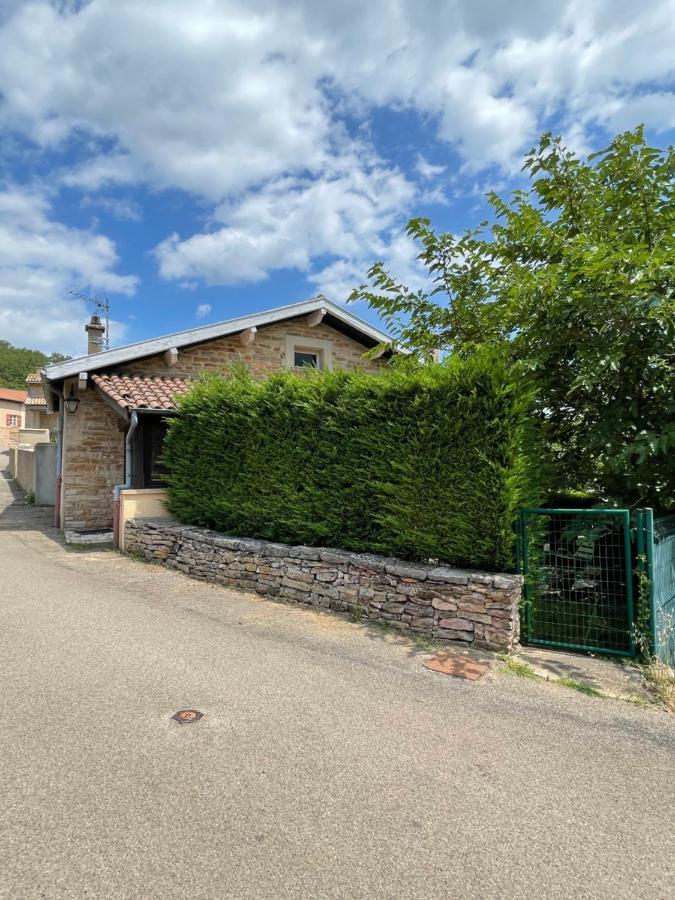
[
  {"x": 93, "y": 463},
  {"x": 266, "y": 355},
  {"x": 442, "y": 603}
]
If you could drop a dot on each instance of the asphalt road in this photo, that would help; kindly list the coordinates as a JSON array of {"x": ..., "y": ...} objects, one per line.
[{"x": 329, "y": 762}]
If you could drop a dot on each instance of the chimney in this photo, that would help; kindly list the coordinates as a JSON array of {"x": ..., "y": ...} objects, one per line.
[{"x": 95, "y": 331}]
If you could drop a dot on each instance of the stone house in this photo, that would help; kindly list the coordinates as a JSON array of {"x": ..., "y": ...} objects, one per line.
[
  {"x": 112, "y": 404},
  {"x": 37, "y": 414},
  {"x": 12, "y": 415}
]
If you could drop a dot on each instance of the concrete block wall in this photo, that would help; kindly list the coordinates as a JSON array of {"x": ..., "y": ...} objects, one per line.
[
  {"x": 34, "y": 468},
  {"x": 467, "y": 607},
  {"x": 44, "y": 481},
  {"x": 24, "y": 468}
]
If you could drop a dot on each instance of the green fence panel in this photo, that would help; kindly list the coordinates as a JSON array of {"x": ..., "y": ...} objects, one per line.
[{"x": 662, "y": 578}]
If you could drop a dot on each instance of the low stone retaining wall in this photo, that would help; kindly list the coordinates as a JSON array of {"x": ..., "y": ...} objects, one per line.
[{"x": 441, "y": 603}]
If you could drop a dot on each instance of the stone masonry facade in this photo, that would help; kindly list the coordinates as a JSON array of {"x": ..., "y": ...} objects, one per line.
[
  {"x": 264, "y": 357},
  {"x": 94, "y": 444},
  {"x": 93, "y": 463},
  {"x": 472, "y": 608}
]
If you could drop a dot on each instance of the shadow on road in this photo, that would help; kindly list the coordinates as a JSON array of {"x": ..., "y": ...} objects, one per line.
[{"x": 16, "y": 514}]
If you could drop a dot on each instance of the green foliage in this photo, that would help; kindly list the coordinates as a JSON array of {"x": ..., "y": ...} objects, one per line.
[
  {"x": 18, "y": 362},
  {"x": 422, "y": 463},
  {"x": 575, "y": 277}
]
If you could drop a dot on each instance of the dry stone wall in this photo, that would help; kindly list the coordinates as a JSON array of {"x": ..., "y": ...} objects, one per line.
[{"x": 441, "y": 603}]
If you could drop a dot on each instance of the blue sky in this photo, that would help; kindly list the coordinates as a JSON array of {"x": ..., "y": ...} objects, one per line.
[{"x": 199, "y": 161}]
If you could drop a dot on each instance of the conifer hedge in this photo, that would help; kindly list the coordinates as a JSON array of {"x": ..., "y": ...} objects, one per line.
[{"x": 424, "y": 463}]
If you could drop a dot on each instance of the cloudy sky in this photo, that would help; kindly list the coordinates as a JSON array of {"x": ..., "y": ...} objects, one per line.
[{"x": 199, "y": 160}]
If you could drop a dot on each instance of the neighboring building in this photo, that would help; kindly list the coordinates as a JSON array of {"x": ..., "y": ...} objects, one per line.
[
  {"x": 12, "y": 415},
  {"x": 37, "y": 414},
  {"x": 113, "y": 404}
]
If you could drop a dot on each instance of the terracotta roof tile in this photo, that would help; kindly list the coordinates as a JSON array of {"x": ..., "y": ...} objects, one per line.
[
  {"x": 34, "y": 378},
  {"x": 36, "y": 401},
  {"x": 141, "y": 392},
  {"x": 13, "y": 395}
]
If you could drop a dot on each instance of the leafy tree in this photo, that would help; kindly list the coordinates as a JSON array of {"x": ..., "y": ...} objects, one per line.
[
  {"x": 574, "y": 276},
  {"x": 18, "y": 362}
]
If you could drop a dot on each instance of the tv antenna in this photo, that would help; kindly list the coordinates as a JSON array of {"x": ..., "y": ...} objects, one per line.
[{"x": 102, "y": 305}]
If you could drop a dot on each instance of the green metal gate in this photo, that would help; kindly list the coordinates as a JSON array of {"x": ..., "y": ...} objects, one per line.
[
  {"x": 578, "y": 570},
  {"x": 656, "y": 568}
]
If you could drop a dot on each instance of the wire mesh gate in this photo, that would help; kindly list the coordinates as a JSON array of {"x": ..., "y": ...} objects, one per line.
[
  {"x": 578, "y": 571},
  {"x": 656, "y": 579}
]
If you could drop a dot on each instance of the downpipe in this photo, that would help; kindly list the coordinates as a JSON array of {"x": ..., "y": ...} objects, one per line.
[
  {"x": 117, "y": 490},
  {"x": 59, "y": 462}
]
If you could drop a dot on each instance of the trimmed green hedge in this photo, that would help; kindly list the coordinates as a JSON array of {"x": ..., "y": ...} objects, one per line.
[{"x": 419, "y": 464}]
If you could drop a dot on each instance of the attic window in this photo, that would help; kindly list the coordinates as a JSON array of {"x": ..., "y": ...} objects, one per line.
[
  {"x": 307, "y": 359},
  {"x": 308, "y": 353}
]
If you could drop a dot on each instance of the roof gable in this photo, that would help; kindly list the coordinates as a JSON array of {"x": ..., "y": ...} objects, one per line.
[{"x": 370, "y": 335}]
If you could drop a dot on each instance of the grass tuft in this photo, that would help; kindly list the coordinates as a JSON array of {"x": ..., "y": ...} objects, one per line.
[
  {"x": 580, "y": 686},
  {"x": 662, "y": 680},
  {"x": 514, "y": 666}
]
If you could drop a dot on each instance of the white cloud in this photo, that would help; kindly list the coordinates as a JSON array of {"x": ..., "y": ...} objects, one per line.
[
  {"x": 123, "y": 208},
  {"x": 242, "y": 103},
  {"x": 396, "y": 250},
  {"x": 202, "y": 311},
  {"x": 427, "y": 169},
  {"x": 209, "y": 101},
  {"x": 289, "y": 223},
  {"x": 236, "y": 92},
  {"x": 40, "y": 260}
]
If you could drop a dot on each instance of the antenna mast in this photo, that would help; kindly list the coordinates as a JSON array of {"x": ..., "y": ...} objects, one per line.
[{"x": 102, "y": 305}]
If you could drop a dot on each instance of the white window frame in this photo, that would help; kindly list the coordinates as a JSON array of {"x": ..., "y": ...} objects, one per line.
[
  {"x": 14, "y": 420},
  {"x": 295, "y": 343}
]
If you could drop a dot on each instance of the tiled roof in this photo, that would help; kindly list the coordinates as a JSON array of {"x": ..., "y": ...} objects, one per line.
[
  {"x": 140, "y": 392},
  {"x": 34, "y": 378},
  {"x": 335, "y": 315},
  {"x": 36, "y": 401},
  {"x": 13, "y": 395}
]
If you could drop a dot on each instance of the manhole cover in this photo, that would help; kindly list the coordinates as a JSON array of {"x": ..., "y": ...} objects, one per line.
[
  {"x": 459, "y": 666},
  {"x": 185, "y": 716}
]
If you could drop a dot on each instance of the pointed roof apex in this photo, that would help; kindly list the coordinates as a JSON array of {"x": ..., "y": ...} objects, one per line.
[{"x": 352, "y": 324}]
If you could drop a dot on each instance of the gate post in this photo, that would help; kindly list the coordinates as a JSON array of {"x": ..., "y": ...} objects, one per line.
[
  {"x": 628, "y": 556},
  {"x": 649, "y": 555}
]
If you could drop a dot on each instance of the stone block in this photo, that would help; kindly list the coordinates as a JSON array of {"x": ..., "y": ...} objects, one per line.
[
  {"x": 456, "y": 624},
  {"x": 291, "y": 583},
  {"x": 401, "y": 570},
  {"x": 393, "y": 607},
  {"x": 449, "y": 576},
  {"x": 443, "y": 605},
  {"x": 302, "y": 552},
  {"x": 448, "y": 634}
]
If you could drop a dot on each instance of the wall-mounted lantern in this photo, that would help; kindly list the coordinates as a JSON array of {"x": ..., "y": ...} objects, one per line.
[{"x": 72, "y": 401}]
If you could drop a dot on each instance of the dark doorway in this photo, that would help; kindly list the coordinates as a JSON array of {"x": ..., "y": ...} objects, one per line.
[{"x": 151, "y": 433}]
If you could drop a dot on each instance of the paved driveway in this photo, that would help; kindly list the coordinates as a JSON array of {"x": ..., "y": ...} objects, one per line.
[{"x": 329, "y": 762}]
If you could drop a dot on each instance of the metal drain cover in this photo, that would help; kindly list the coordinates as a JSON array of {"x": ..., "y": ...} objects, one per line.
[{"x": 186, "y": 716}]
